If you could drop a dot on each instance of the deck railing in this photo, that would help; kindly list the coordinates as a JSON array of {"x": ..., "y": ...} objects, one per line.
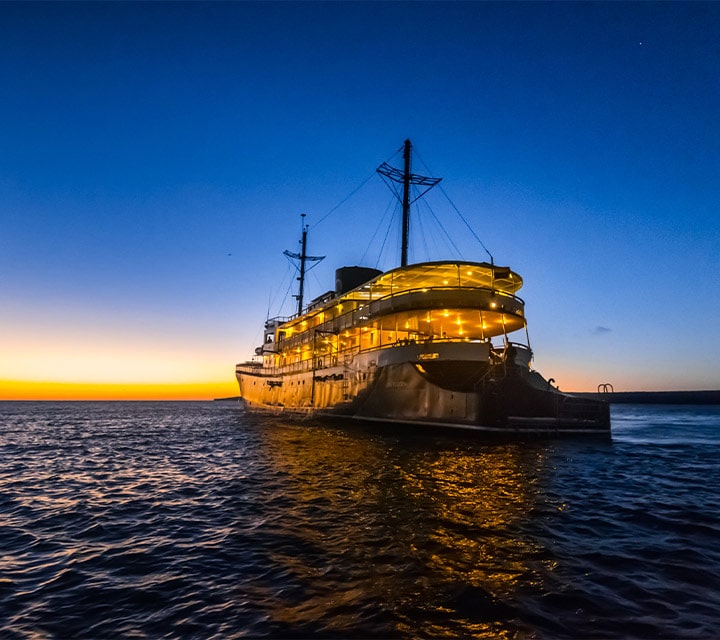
[
  {"x": 425, "y": 299},
  {"x": 343, "y": 357}
]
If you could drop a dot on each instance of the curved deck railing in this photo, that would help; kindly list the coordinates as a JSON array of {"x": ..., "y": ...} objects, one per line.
[
  {"x": 483, "y": 299},
  {"x": 425, "y": 299},
  {"x": 343, "y": 358}
]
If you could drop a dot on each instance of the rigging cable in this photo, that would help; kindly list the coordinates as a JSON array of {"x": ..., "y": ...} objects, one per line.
[
  {"x": 467, "y": 224},
  {"x": 377, "y": 229},
  {"x": 354, "y": 191},
  {"x": 423, "y": 236},
  {"x": 440, "y": 244},
  {"x": 287, "y": 292},
  {"x": 387, "y": 233},
  {"x": 442, "y": 228},
  {"x": 346, "y": 198},
  {"x": 452, "y": 204},
  {"x": 320, "y": 286}
]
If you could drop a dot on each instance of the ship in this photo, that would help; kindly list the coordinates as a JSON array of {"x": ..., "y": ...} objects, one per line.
[{"x": 441, "y": 344}]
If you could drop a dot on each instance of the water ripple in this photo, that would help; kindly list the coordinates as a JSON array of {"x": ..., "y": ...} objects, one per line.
[{"x": 145, "y": 520}]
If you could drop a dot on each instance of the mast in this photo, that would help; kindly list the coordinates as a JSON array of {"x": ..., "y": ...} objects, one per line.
[
  {"x": 303, "y": 257},
  {"x": 393, "y": 177},
  {"x": 406, "y": 203}
]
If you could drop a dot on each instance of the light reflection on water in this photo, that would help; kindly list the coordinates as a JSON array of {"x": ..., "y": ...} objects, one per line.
[
  {"x": 404, "y": 517},
  {"x": 193, "y": 519}
]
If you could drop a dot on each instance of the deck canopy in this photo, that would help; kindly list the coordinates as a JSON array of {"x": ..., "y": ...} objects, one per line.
[
  {"x": 438, "y": 274},
  {"x": 419, "y": 299}
]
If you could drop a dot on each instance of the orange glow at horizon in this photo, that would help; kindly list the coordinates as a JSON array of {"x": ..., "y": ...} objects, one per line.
[{"x": 53, "y": 390}]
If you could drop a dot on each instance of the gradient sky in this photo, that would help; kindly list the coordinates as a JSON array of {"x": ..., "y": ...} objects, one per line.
[{"x": 155, "y": 160}]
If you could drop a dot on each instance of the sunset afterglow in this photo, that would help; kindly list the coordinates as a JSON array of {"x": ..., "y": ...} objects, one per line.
[
  {"x": 156, "y": 158},
  {"x": 39, "y": 390}
]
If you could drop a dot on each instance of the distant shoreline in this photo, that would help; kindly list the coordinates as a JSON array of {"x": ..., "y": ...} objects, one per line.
[
  {"x": 629, "y": 397},
  {"x": 656, "y": 397}
]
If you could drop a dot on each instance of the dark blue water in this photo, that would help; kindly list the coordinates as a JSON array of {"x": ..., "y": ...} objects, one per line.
[{"x": 147, "y": 520}]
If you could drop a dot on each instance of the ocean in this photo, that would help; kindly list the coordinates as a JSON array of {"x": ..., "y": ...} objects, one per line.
[{"x": 195, "y": 520}]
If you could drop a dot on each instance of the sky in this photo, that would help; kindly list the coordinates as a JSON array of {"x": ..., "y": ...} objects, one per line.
[{"x": 155, "y": 159}]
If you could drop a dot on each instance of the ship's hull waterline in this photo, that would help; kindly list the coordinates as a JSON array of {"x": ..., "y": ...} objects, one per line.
[{"x": 465, "y": 387}]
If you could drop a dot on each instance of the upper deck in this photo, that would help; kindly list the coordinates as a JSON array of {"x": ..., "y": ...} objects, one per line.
[
  {"x": 441, "y": 300},
  {"x": 421, "y": 277}
]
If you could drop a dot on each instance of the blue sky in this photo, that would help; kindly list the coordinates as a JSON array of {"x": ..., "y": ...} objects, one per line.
[{"x": 155, "y": 159}]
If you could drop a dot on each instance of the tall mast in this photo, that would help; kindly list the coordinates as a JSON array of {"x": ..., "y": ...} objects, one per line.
[
  {"x": 303, "y": 257},
  {"x": 406, "y": 203},
  {"x": 393, "y": 178}
]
